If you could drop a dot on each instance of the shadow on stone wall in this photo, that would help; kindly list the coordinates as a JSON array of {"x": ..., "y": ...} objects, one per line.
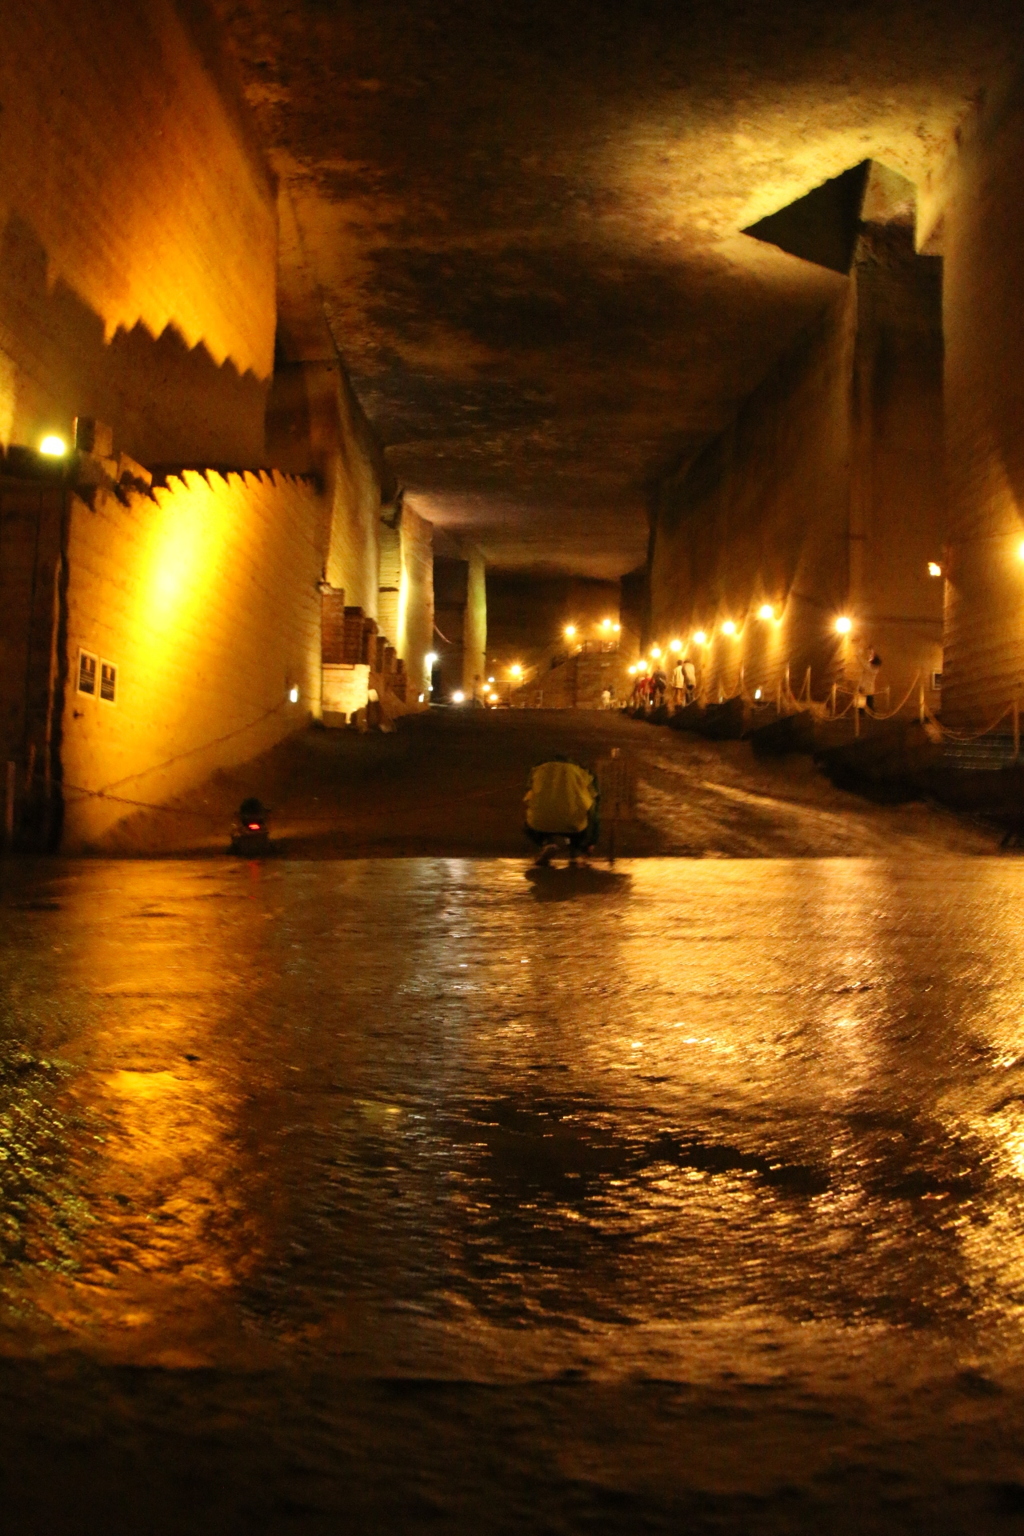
[{"x": 167, "y": 402}]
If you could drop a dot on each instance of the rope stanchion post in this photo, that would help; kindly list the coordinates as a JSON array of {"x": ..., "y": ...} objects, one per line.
[
  {"x": 920, "y": 702},
  {"x": 856, "y": 716},
  {"x": 832, "y": 702},
  {"x": 806, "y": 690}
]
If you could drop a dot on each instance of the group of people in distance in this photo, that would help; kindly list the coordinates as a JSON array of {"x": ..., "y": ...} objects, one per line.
[{"x": 652, "y": 687}]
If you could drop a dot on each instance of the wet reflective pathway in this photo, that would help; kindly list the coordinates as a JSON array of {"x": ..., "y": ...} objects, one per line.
[{"x": 422, "y": 1194}]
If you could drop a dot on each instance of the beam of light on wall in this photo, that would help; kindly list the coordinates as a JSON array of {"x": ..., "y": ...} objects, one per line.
[{"x": 187, "y": 556}]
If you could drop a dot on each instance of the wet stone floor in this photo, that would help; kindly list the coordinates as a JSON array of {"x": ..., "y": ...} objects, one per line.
[{"x": 426, "y": 1194}]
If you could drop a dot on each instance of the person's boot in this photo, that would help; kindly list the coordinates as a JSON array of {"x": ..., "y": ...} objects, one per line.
[{"x": 545, "y": 856}]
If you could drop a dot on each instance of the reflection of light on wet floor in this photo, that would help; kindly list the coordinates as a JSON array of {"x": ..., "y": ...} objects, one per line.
[{"x": 723, "y": 1090}]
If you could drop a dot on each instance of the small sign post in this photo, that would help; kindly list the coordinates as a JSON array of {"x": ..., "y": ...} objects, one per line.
[{"x": 618, "y": 794}]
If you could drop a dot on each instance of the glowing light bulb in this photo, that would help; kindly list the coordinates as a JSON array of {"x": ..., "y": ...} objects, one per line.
[
  {"x": 843, "y": 625},
  {"x": 458, "y": 697},
  {"x": 675, "y": 645},
  {"x": 293, "y": 695},
  {"x": 757, "y": 693},
  {"x": 569, "y": 631},
  {"x": 655, "y": 652},
  {"x": 516, "y": 671},
  {"x": 430, "y": 660},
  {"x": 490, "y": 679},
  {"x": 728, "y": 628},
  {"x": 766, "y": 611},
  {"x": 934, "y": 568},
  {"x": 700, "y": 638},
  {"x": 606, "y": 623},
  {"x": 53, "y": 446}
]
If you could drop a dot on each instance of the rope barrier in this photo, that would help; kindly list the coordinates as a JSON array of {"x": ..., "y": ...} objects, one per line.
[{"x": 901, "y": 705}]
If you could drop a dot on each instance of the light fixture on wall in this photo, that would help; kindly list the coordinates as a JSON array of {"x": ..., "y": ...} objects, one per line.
[
  {"x": 675, "y": 645},
  {"x": 655, "y": 652},
  {"x": 430, "y": 661},
  {"x": 700, "y": 638},
  {"x": 569, "y": 631},
  {"x": 293, "y": 694},
  {"x": 766, "y": 611},
  {"x": 934, "y": 568},
  {"x": 53, "y": 446},
  {"x": 843, "y": 625},
  {"x": 458, "y": 697},
  {"x": 515, "y": 670},
  {"x": 728, "y": 628}
]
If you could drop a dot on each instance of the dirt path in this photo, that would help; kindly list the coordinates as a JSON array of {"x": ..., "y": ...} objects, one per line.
[{"x": 452, "y": 782}]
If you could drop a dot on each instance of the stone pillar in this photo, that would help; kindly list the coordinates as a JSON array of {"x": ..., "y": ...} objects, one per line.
[{"x": 474, "y": 630}]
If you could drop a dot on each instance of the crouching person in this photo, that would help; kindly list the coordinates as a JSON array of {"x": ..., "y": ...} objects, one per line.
[{"x": 561, "y": 809}]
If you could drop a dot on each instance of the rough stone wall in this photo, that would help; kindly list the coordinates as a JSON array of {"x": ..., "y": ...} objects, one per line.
[
  {"x": 527, "y": 613},
  {"x": 826, "y": 498},
  {"x": 205, "y": 598},
  {"x": 898, "y": 484},
  {"x": 983, "y": 244},
  {"x": 315, "y": 425},
  {"x": 450, "y": 578},
  {"x": 763, "y": 517},
  {"x": 137, "y": 235},
  {"x": 31, "y": 534},
  {"x": 389, "y": 573},
  {"x": 578, "y": 682}
]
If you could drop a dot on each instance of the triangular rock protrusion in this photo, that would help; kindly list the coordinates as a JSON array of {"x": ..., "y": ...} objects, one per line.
[{"x": 822, "y": 225}]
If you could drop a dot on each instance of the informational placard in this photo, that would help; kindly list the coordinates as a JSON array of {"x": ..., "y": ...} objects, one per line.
[
  {"x": 108, "y": 682},
  {"x": 87, "y": 669}
]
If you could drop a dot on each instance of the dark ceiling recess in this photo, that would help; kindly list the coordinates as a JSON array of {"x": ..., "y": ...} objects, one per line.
[{"x": 822, "y": 226}]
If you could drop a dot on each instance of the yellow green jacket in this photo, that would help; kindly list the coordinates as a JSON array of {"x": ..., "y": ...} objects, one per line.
[{"x": 560, "y": 798}]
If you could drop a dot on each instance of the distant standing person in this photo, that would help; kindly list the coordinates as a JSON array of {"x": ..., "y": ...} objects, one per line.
[
  {"x": 690, "y": 675},
  {"x": 678, "y": 685},
  {"x": 870, "y": 668}
]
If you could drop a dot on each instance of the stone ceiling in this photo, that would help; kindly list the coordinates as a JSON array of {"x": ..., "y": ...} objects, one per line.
[{"x": 525, "y": 221}]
